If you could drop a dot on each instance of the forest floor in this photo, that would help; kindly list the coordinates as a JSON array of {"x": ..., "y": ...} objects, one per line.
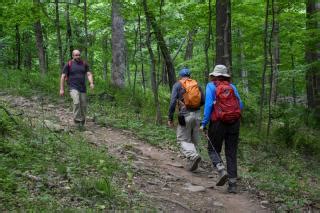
[{"x": 159, "y": 174}]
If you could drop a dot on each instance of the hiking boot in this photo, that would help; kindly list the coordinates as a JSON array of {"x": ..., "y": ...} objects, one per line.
[
  {"x": 232, "y": 188},
  {"x": 193, "y": 164},
  {"x": 223, "y": 176}
]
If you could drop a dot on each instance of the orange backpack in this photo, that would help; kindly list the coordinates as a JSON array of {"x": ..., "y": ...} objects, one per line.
[{"x": 192, "y": 96}]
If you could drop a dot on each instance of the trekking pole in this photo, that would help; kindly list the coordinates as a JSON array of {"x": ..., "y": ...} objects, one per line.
[{"x": 207, "y": 137}]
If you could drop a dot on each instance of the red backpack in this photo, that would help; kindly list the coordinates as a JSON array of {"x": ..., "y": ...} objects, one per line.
[{"x": 226, "y": 106}]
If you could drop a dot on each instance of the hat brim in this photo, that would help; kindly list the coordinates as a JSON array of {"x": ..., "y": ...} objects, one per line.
[{"x": 219, "y": 74}]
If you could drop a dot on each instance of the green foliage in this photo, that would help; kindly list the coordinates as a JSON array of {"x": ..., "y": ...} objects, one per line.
[
  {"x": 286, "y": 176},
  {"x": 7, "y": 127},
  {"x": 38, "y": 171},
  {"x": 292, "y": 131}
]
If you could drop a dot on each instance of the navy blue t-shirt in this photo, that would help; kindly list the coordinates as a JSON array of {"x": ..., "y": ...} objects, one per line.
[{"x": 76, "y": 75}]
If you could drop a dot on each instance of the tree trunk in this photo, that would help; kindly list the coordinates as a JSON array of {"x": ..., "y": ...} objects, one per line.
[
  {"x": 223, "y": 33},
  {"x": 91, "y": 60},
  {"x": 69, "y": 30},
  {"x": 57, "y": 22},
  {"x": 164, "y": 49},
  {"x": 276, "y": 57},
  {"x": 27, "y": 61},
  {"x": 241, "y": 58},
  {"x": 40, "y": 47},
  {"x": 263, "y": 78},
  {"x": 105, "y": 57},
  {"x": 313, "y": 57},
  {"x": 118, "y": 57},
  {"x": 85, "y": 29},
  {"x": 294, "y": 96},
  {"x": 154, "y": 85},
  {"x": 207, "y": 43},
  {"x": 135, "y": 59},
  {"x": 18, "y": 48},
  {"x": 189, "y": 49},
  {"x": 271, "y": 70},
  {"x": 45, "y": 47},
  {"x": 141, "y": 53},
  {"x": 127, "y": 65}
]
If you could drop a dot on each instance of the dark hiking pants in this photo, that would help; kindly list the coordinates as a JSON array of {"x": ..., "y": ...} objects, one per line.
[{"x": 229, "y": 133}]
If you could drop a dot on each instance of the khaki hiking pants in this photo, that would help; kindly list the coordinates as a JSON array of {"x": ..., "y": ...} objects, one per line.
[
  {"x": 188, "y": 136},
  {"x": 79, "y": 106}
]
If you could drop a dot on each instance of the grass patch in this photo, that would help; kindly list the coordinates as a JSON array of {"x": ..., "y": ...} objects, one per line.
[
  {"x": 280, "y": 167},
  {"x": 40, "y": 172}
]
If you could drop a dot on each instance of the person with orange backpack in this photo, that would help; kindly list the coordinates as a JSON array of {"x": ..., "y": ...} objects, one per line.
[
  {"x": 75, "y": 72},
  {"x": 223, "y": 111},
  {"x": 188, "y": 95}
]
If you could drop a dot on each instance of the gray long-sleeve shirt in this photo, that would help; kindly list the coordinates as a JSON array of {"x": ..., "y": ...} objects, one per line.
[{"x": 177, "y": 94}]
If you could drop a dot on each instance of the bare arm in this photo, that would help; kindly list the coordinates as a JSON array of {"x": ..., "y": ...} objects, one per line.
[
  {"x": 62, "y": 84},
  {"x": 90, "y": 78}
]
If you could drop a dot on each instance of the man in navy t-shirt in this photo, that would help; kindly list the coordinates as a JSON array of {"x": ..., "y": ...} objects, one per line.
[{"x": 75, "y": 71}]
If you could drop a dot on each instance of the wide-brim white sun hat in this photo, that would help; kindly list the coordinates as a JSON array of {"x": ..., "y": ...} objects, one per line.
[{"x": 220, "y": 70}]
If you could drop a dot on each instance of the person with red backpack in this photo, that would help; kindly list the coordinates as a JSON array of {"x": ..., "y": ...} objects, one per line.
[
  {"x": 75, "y": 72},
  {"x": 223, "y": 111},
  {"x": 188, "y": 95}
]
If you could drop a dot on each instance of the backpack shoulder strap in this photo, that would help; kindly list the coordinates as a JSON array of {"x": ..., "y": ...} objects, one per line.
[
  {"x": 69, "y": 65},
  {"x": 182, "y": 82}
]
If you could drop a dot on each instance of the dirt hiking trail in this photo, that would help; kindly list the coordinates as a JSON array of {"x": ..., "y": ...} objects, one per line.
[{"x": 158, "y": 173}]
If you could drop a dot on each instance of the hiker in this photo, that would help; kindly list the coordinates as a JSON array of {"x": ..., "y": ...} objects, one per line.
[
  {"x": 75, "y": 72},
  {"x": 223, "y": 109},
  {"x": 189, "y": 97}
]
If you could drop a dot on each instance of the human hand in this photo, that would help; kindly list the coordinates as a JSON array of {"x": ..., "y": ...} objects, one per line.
[
  {"x": 61, "y": 92},
  {"x": 203, "y": 129},
  {"x": 170, "y": 123}
]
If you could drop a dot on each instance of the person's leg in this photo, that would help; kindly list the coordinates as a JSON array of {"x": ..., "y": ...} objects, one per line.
[
  {"x": 75, "y": 95},
  {"x": 231, "y": 147},
  {"x": 187, "y": 148},
  {"x": 216, "y": 135},
  {"x": 83, "y": 107},
  {"x": 195, "y": 132}
]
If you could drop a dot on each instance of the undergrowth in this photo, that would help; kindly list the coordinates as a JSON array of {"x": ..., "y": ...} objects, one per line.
[
  {"x": 46, "y": 171},
  {"x": 285, "y": 166}
]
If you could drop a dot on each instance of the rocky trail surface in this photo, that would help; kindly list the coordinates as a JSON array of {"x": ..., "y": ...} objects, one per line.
[{"x": 158, "y": 173}]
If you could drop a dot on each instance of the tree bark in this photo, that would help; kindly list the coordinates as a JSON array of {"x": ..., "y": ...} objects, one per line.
[
  {"x": 164, "y": 49},
  {"x": 18, "y": 47},
  {"x": 189, "y": 49},
  {"x": 59, "y": 43},
  {"x": 263, "y": 78},
  {"x": 271, "y": 69},
  {"x": 134, "y": 59},
  {"x": 141, "y": 53},
  {"x": 294, "y": 96},
  {"x": 313, "y": 57},
  {"x": 39, "y": 42},
  {"x": 118, "y": 57},
  {"x": 27, "y": 61},
  {"x": 105, "y": 57},
  {"x": 276, "y": 55},
  {"x": 154, "y": 85},
  {"x": 85, "y": 29},
  {"x": 223, "y": 33},
  {"x": 69, "y": 30},
  {"x": 241, "y": 58},
  {"x": 207, "y": 43}
]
